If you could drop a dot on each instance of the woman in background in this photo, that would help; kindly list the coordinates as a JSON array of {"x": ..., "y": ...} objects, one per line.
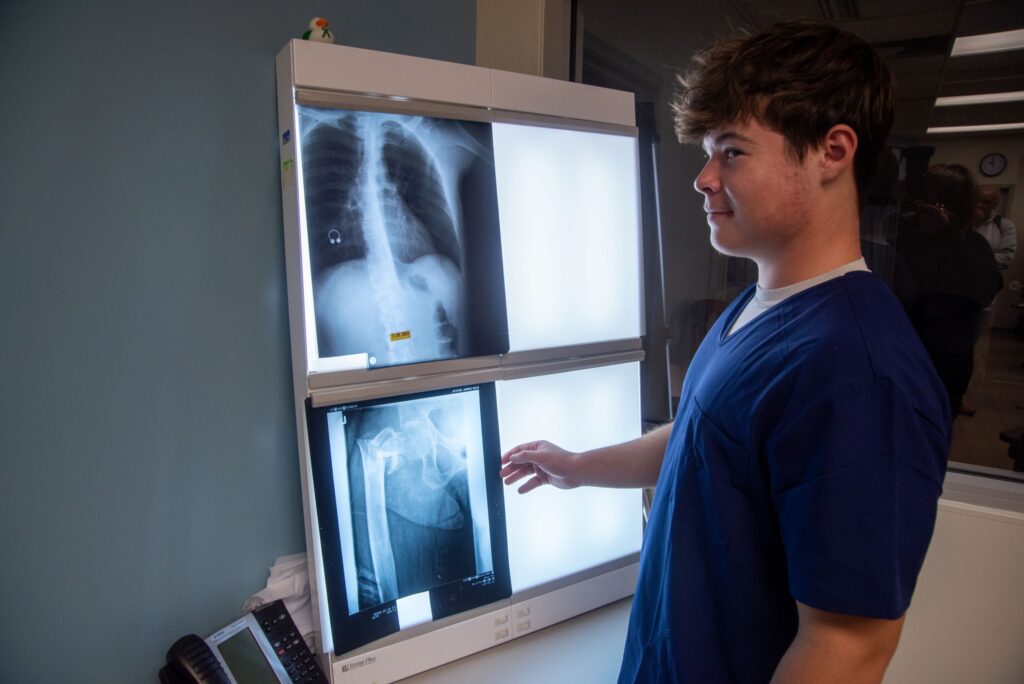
[{"x": 945, "y": 272}]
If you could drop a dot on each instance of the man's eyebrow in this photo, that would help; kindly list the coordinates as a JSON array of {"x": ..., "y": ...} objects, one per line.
[{"x": 730, "y": 135}]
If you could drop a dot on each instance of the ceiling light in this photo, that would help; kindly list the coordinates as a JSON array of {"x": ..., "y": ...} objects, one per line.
[
  {"x": 976, "y": 129},
  {"x": 988, "y": 42},
  {"x": 987, "y": 98}
]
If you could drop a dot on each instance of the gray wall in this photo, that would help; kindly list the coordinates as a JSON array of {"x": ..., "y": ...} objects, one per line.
[{"x": 147, "y": 439}]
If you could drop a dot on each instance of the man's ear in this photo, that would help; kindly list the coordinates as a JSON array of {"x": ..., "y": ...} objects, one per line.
[{"x": 837, "y": 151}]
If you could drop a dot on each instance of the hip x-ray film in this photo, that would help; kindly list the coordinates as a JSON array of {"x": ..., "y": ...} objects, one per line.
[
  {"x": 402, "y": 240},
  {"x": 411, "y": 510}
]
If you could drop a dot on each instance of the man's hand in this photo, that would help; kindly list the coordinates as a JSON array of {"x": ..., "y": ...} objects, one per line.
[
  {"x": 834, "y": 647},
  {"x": 631, "y": 464},
  {"x": 549, "y": 464}
]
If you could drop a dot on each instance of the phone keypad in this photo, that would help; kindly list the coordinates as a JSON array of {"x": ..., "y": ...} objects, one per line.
[{"x": 297, "y": 659}]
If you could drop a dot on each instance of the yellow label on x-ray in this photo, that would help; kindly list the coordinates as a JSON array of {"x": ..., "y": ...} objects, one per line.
[{"x": 404, "y": 335}]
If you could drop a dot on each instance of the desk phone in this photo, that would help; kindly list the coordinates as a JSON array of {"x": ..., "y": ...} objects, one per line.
[{"x": 261, "y": 647}]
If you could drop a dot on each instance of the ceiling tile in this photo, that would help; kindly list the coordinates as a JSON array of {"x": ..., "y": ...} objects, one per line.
[
  {"x": 991, "y": 83},
  {"x": 991, "y": 16}
]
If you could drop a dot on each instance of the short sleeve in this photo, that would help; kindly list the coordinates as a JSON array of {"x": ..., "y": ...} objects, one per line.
[{"x": 855, "y": 477}]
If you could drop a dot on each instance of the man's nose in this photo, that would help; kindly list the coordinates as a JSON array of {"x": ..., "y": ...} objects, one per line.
[{"x": 707, "y": 181}]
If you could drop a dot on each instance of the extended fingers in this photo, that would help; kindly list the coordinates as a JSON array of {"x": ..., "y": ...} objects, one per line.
[
  {"x": 523, "y": 448},
  {"x": 531, "y": 485},
  {"x": 518, "y": 463},
  {"x": 514, "y": 473}
]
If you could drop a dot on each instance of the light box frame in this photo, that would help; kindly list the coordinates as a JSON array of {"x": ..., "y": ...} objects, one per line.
[{"x": 332, "y": 75}]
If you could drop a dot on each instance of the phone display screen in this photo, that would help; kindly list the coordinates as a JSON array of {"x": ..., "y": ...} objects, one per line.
[{"x": 245, "y": 659}]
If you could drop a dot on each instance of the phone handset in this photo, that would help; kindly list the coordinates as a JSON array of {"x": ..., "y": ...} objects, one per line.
[{"x": 190, "y": 660}]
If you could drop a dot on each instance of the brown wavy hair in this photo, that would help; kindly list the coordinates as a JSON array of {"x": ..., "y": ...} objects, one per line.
[
  {"x": 798, "y": 78},
  {"x": 953, "y": 187}
]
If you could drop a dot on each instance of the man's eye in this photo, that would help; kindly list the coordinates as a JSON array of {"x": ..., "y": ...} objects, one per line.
[{"x": 731, "y": 153}]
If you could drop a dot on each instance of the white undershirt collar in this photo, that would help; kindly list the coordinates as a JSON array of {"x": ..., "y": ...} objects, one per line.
[{"x": 765, "y": 299}]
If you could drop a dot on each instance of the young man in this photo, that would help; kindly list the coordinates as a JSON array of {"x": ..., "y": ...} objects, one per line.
[{"x": 797, "y": 488}]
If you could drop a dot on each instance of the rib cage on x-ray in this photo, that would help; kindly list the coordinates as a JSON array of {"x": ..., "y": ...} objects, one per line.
[
  {"x": 385, "y": 227},
  {"x": 412, "y": 518}
]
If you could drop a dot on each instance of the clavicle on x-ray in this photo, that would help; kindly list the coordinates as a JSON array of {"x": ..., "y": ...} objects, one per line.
[
  {"x": 384, "y": 207},
  {"x": 418, "y": 497}
]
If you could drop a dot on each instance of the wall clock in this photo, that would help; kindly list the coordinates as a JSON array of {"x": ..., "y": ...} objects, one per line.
[{"x": 993, "y": 164}]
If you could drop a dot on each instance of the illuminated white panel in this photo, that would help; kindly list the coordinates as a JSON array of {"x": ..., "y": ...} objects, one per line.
[
  {"x": 414, "y": 610},
  {"x": 568, "y": 203},
  {"x": 553, "y": 533}
]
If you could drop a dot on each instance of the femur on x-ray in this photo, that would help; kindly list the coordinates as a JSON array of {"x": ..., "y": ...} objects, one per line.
[
  {"x": 414, "y": 525},
  {"x": 410, "y": 509},
  {"x": 399, "y": 210}
]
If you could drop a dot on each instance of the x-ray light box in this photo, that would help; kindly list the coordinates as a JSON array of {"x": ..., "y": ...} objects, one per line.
[
  {"x": 463, "y": 258},
  {"x": 415, "y": 523}
]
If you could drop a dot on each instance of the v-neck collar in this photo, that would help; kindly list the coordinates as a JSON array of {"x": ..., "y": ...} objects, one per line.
[{"x": 744, "y": 299}]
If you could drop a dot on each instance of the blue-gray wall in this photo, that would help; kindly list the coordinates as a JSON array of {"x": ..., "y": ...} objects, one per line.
[{"x": 148, "y": 467}]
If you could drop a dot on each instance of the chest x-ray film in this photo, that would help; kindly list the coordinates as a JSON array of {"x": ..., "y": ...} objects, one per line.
[
  {"x": 411, "y": 510},
  {"x": 401, "y": 240}
]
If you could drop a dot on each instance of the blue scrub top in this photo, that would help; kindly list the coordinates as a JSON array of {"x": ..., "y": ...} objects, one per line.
[{"x": 805, "y": 463}]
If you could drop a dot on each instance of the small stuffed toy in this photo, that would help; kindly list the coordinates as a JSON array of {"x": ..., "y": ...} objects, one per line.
[{"x": 318, "y": 31}]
